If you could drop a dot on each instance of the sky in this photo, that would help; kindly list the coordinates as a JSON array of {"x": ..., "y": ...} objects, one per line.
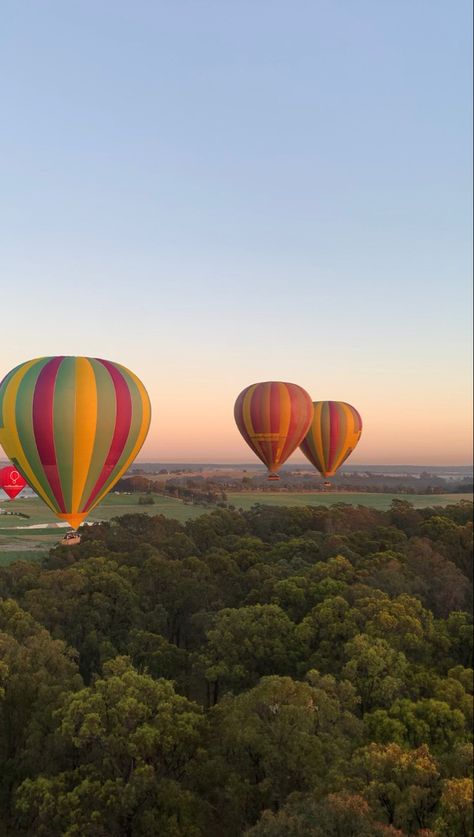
[{"x": 219, "y": 193}]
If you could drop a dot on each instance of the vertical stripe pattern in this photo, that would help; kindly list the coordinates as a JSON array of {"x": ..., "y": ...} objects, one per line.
[
  {"x": 273, "y": 417},
  {"x": 335, "y": 431},
  {"x": 72, "y": 426}
]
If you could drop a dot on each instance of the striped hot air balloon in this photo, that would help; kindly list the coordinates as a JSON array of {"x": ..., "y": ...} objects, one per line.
[
  {"x": 72, "y": 426},
  {"x": 335, "y": 430},
  {"x": 273, "y": 417}
]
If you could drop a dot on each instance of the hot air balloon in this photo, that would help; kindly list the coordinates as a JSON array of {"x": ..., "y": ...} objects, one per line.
[
  {"x": 273, "y": 417},
  {"x": 335, "y": 430},
  {"x": 72, "y": 426},
  {"x": 11, "y": 481}
]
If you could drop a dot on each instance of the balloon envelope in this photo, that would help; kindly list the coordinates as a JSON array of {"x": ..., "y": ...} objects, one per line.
[
  {"x": 335, "y": 431},
  {"x": 11, "y": 481},
  {"x": 273, "y": 417},
  {"x": 72, "y": 426}
]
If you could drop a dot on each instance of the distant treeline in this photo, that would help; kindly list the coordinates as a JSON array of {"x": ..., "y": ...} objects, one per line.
[
  {"x": 198, "y": 491},
  {"x": 281, "y": 672},
  {"x": 212, "y": 490}
]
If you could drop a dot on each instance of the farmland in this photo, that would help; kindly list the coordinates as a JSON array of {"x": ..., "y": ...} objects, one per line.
[
  {"x": 29, "y": 537},
  {"x": 382, "y": 502}
]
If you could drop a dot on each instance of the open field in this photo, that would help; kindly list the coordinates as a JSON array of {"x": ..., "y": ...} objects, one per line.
[
  {"x": 30, "y": 542},
  {"x": 28, "y": 538},
  {"x": 247, "y": 499}
]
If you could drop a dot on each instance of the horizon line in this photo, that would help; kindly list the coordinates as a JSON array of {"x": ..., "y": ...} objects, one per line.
[{"x": 298, "y": 464}]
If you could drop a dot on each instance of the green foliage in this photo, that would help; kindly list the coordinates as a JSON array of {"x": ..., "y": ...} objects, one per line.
[
  {"x": 133, "y": 738},
  {"x": 280, "y": 737},
  {"x": 35, "y": 670},
  {"x": 412, "y": 724},
  {"x": 325, "y": 630},
  {"x": 278, "y": 671},
  {"x": 376, "y": 669},
  {"x": 402, "y": 786},
  {"x": 247, "y": 643},
  {"x": 456, "y": 811},
  {"x": 337, "y": 815}
]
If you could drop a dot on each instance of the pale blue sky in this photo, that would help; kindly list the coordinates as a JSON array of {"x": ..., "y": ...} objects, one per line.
[{"x": 215, "y": 193}]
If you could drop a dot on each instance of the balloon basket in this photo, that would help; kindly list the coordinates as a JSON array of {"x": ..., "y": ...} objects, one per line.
[{"x": 70, "y": 539}]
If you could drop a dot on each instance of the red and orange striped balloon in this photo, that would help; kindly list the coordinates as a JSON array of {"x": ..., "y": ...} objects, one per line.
[
  {"x": 72, "y": 426},
  {"x": 273, "y": 417},
  {"x": 335, "y": 431}
]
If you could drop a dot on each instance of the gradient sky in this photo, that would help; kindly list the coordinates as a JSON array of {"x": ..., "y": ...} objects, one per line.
[{"x": 217, "y": 193}]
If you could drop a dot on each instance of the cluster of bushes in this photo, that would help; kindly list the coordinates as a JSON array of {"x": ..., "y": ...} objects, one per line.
[
  {"x": 282, "y": 671},
  {"x": 197, "y": 491}
]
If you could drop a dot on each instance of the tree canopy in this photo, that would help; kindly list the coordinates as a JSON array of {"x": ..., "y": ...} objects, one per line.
[{"x": 281, "y": 671}]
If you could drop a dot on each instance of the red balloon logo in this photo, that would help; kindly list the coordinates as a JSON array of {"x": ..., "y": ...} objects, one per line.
[{"x": 11, "y": 481}]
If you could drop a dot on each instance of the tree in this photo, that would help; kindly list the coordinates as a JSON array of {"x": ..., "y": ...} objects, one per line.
[
  {"x": 412, "y": 723},
  {"x": 171, "y": 593},
  {"x": 337, "y": 815},
  {"x": 280, "y": 737},
  {"x": 456, "y": 690},
  {"x": 297, "y": 595},
  {"x": 127, "y": 742},
  {"x": 209, "y": 529},
  {"x": 456, "y": 809},
  {"x": 376, "y": 670},
  {"x": 402, "y": 622},
  {"x": 329, "y": 650},
  {"x": 404, "y": 516},
  {"x": 388, "y": 571},
  {"x": 437, "y": 581},
  {"x": 458, "y": 630},
  {"x": 92, "y": 606},
  {"x": 325, "y": 630},
  {"x": 146, "y": 500},
  {"x": 35, "y": 671},
  {"x": 458, "y": 763},
  {"x": 402, "y": 786},
  {"x": 247, "y": 643},
  {"x": 152, "y": 654}
]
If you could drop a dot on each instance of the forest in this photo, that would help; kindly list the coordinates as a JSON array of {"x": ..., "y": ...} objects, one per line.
[{"x": 279, "y": 672}]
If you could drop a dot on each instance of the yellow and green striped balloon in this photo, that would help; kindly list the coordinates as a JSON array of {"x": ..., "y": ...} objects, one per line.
[
  {"x": 72, "y": 426},
  {"x": 334, "y": 432}
]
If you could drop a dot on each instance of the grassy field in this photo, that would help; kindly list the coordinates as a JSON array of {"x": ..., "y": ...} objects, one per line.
[
  {"x": 30, "y": 543},
  {"x": 382, "y": 502},
  {"x": 41, "y": 531}
]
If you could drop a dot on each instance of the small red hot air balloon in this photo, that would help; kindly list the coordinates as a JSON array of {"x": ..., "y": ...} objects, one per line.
[
  {"x": 11, "y": 481},
  {"x": 273, "y": 417}
]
